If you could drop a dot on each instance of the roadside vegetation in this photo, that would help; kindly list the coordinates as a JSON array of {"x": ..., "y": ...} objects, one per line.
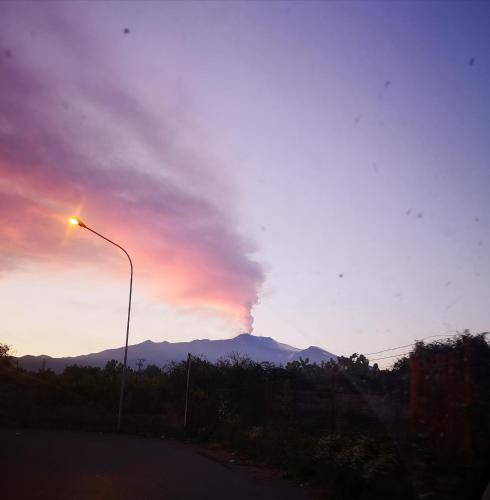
[{"x": 417, "y": 430}]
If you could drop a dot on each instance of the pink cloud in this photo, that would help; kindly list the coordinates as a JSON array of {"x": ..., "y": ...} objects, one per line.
[{"x": 69, "y": 143}]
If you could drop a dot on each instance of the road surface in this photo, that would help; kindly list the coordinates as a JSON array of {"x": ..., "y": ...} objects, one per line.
[{"x": 59, "y": 465}]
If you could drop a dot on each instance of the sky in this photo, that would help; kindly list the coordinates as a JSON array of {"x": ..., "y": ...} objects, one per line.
[{"x": 315, "y": 172}]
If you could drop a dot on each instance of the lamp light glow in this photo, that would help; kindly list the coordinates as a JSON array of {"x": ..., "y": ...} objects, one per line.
[{"x": 75, "y": 221}]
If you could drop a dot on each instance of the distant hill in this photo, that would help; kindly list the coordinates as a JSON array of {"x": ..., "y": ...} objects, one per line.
[{"x": 160, "y": 353}]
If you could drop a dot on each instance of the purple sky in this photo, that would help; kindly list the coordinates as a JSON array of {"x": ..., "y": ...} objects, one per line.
[{"x": 319, "y": 168}]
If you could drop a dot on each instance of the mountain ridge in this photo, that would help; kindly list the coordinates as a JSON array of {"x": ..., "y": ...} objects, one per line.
[{"x": 257, "y": 348}]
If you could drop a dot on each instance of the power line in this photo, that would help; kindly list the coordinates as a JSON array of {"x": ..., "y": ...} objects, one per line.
[
  {"x": 390, "y": 349},
  {"x": 412, "y": 344},
  {"x": 392, "y": 356},
  {"x": 409, "y": 345}
]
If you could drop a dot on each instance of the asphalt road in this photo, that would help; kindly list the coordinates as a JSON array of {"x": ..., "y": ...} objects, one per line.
[{"x": 58, "y": 465}]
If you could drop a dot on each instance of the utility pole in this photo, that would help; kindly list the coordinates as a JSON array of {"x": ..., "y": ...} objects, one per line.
[
  {"x": 189, "y": 359},
  {"x": 139, "y": 363},
  {"x": 334, "y": 392}
]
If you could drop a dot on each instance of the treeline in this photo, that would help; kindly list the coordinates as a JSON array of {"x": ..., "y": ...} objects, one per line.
[{"x": 420, "y": 428}]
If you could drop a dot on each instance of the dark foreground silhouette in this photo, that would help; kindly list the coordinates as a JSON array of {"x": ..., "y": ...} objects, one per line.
[
  {"x": 55, "y": 465},
  {"x": 417, "y": 430}
]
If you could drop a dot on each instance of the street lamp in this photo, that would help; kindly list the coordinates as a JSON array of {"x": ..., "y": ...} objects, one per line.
[{"x": 77, "y": 222}]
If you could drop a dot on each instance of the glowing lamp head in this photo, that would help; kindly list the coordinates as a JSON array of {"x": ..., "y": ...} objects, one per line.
[{"x": 75, "y": 221}]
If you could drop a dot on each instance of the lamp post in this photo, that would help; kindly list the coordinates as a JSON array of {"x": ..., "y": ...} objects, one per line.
[{"x": 77, "y": 222}]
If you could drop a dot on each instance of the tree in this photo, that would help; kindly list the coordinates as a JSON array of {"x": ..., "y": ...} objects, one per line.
[{"x": 5, "y": 357}]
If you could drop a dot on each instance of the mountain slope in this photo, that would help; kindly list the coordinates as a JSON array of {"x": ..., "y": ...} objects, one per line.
[{"x": 160, "y": 353}]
